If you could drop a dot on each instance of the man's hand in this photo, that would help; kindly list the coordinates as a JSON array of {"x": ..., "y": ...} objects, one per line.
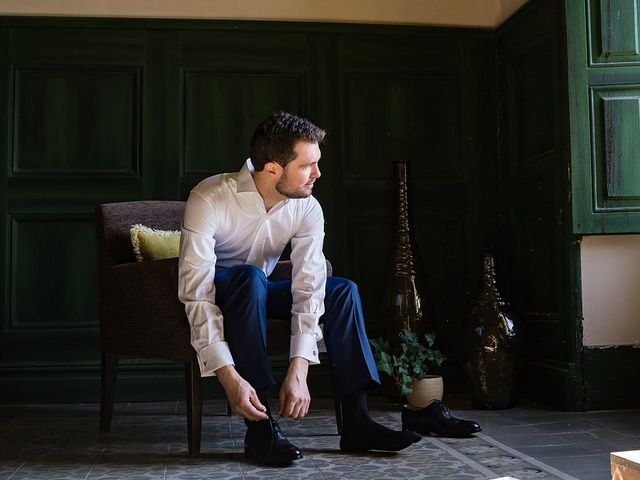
[
  {"x": 240, "y": 394},
  {"x": 294, "y": 393}
]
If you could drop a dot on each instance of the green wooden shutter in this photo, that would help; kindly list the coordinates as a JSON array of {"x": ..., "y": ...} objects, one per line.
[{"x": 604, "y": 90}]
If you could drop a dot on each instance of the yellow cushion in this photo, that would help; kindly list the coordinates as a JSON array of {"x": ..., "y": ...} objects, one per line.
[{"x": 151, "y": 244}]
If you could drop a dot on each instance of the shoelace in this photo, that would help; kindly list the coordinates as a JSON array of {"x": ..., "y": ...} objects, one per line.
[{"x": 276, "y": 426}]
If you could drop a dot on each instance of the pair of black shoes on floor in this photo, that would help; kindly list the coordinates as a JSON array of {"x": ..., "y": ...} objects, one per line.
[
  {"x": 266, "y": 444},
  {"x": 436, "y": 418}
]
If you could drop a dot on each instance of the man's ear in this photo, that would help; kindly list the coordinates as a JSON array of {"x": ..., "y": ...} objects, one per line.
[{"x": 272, "y": 168}]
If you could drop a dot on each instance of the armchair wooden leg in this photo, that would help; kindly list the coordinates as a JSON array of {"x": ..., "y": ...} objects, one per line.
[
  {"x": 194, "y": 406},
  {"x": 338, "y": 405},
  {"x": 109, "y": 372}
]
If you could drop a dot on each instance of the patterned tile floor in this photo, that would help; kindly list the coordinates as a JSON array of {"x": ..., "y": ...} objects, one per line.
[{"x": 148, "y": 441}]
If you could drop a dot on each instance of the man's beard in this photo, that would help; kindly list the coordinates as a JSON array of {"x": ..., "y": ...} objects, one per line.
[{"x": 282, "y": 189}]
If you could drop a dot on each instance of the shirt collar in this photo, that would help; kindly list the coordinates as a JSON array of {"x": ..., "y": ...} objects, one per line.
[
  {"x": 246, "y": 184},
  {"x": 245, "y": 178}
]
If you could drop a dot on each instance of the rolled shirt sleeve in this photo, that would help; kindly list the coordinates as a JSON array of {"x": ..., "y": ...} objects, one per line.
[
  {"x": 308, "y": 283},
  {"x": 196, "y": 287}
]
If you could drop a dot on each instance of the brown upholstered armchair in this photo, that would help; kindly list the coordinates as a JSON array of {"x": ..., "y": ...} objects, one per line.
[{"x": 140, "y": 314}]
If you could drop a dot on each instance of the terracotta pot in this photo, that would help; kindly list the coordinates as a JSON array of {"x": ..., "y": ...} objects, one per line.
[{"x": 425, "y": 390}]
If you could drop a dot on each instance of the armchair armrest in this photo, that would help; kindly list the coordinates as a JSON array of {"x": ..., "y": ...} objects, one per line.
[{"x": 139, "y": 305}]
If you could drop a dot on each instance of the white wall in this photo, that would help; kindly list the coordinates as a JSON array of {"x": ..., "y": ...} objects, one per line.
[
  {"x": 611, "y": 290},
  {"x": 472, "y": 13}
]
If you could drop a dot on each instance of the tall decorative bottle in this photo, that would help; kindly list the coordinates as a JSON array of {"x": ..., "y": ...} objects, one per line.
[
  {"x": 493, "y": 347},
  {"x": 404, "y": 293}
]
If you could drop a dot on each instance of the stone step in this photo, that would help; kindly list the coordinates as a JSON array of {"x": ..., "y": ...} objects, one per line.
[{"x": 625, "y": 465}]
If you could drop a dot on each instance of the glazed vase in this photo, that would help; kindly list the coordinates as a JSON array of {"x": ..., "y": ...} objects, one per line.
[
  {"x": 493, "y": 343},
  {"x": 404, "y": 293}
]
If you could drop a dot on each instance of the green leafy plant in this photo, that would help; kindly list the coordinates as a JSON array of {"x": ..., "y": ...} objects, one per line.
[{"x": 409, "y": 360}]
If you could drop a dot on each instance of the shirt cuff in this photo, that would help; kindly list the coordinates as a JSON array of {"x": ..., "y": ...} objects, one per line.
[
  {"x": 304, "y": 346},
  {"x": 213, "y": 357}
]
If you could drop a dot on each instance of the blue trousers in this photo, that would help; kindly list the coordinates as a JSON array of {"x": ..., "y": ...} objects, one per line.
[{"x": 247, "y": 299}]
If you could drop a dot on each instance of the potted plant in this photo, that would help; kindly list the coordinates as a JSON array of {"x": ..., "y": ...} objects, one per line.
[{"x": 409, "y": 363}]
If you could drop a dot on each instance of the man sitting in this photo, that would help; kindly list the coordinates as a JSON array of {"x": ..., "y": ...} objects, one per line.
[{"x": 235, "y": 228}]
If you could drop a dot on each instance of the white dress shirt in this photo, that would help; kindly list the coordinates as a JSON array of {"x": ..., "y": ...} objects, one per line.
[{"x": 226, "y": 224}]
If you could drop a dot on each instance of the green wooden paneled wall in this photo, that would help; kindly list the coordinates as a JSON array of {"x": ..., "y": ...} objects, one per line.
[
  {"x": 111, "y": 110},
  {"x": 604, "y": 71}
]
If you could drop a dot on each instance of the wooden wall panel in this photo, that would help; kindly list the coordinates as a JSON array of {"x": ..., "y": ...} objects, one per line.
[
  {"x": 532, "y": 68},
  {"x": 418, "y": 119},
  {"x": 222, "y": 110},
  {"x": 445, "y": 252},
  {"x": 539, "y": 265},
  {"x": 538, "y": 258},
  {"x": 613, "y": 31},
  {"x": 611, "y": 377},
  {"x": 604, "y": 73},
  {"x": 230, "y": 82},
  {"x": 616, "y": 147},
  {"x": 245, "y": 48},
  {"x": 76, "y": 121},
  {"x": 54, "y": 272},
  {"x": 60, "y": 45},
  {"x": 368, "y": 243}
]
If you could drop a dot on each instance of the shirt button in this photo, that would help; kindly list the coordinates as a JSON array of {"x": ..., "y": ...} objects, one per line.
[{"x": 315, "y": 353}]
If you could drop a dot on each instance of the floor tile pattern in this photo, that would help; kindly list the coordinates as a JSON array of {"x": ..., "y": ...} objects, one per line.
[{"x": 148, "y": 441}]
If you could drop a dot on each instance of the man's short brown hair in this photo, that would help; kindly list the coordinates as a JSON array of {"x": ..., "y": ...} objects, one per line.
[{"x": 274, "y": 139}]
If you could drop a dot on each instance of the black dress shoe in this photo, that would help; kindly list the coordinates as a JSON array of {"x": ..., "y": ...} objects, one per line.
[
  {"x": 265, "y": 443},
  {"x": 393, "y": 441},
  {"x": 436, "y": 418}
]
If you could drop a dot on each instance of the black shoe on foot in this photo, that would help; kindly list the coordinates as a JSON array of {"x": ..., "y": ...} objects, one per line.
[
  {"x": 373, "y": 436},
  {"x": 265, "y": 443},
  {"x": 436, "y": 418}
]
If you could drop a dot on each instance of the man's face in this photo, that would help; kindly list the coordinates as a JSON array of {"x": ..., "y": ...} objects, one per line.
[{"x": 300, "y": 174}]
